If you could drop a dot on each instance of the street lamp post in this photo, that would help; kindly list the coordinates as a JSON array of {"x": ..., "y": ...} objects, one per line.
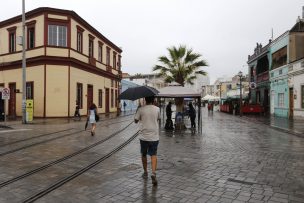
[
  {"x": 23, "y": 66},
  {"x": 240, "y": 74}
]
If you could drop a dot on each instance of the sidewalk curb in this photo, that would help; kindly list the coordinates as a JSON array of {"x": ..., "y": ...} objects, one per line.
[
  {"x": 296, "y": 133},
  {"x": 5, "y": 127}
]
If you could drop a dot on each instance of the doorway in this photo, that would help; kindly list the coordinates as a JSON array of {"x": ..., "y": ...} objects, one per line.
[
  {"x": 1, "y": 104},
  {"x": 272, "y": 102},
  {"x": 107, "y": 100},
  {"x": 266, "y": 101},
  {"x": 12, "y": 101},
  {"x": 291, "y": 103}
]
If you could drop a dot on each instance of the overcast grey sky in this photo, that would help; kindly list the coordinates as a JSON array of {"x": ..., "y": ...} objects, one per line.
[{"x": 223, "y": 31}]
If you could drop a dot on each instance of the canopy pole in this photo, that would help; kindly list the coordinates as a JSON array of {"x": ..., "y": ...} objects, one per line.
[{"x": 199, "y": 116}]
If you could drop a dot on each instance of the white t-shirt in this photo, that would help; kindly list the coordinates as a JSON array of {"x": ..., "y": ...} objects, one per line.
[{"x": 148, "y": 116}]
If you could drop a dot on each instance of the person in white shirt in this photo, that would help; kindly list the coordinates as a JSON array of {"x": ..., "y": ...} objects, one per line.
[{"x": 149, "y": 115}]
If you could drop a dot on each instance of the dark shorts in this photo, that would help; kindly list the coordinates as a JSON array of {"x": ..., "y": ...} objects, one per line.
[{"x": 148, "y": 147}]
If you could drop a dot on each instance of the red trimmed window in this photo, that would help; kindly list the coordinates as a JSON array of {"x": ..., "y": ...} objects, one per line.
[
  {"x": 12, "y": 39},
  {"x": 79, "y": 41},
  {"x": 31, "y": 34},
  {"x": 100, "y": 46},
  {"x": 31, "y": 38},
  {"x": 57, "y": 35},
  {"x": 119, "y": 62},
  {"x": 108, "y": 56},
  {"x": 114, "y": 60},
  {"x": 100, "y": 98}
]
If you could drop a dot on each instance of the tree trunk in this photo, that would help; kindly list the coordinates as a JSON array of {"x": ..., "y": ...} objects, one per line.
[{"x": 179, "y": 102}]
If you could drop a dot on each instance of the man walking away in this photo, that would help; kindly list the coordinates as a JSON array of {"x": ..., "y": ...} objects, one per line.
[
  {"x": 124, "y": 105},
  {"x": 169, "y": 123},
  {"x": 192, "y": 115},
  {"x": 149, "y": 115}
]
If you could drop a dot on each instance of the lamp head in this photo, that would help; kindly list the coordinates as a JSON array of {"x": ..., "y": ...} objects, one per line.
[{"x": 240, "y": 74}]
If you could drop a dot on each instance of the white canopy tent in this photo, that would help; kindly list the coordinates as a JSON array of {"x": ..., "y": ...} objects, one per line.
[
  {"x": 178, "y": 91},
  {"x": 210, "y": 98}
]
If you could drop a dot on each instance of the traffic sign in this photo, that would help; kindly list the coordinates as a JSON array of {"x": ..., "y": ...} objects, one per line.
[{"x": 5, "y": 93}]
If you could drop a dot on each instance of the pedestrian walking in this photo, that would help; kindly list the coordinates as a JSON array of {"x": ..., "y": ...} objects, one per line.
[
  {"x": 169, "y": 111},
  {"x": 169, "y": 123},
  {"x": 77, "y": 113},
  {"x": 124, "y": 105},
  {"x": 192, "y": 115},
  {"x": 148, "y": 116},
  {"x": 93, "y": 118}
]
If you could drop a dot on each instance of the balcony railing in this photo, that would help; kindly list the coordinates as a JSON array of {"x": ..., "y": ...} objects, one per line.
[{"x": 262, "y": 77}]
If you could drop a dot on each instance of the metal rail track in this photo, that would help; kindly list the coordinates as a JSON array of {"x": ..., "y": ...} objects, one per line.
[
  {"x": 52, "y": 139},
  {"x": 37, "y": 136},
  {"x": 42, "y": 135},
  {"x": 65, "y": 180},
  {"x": 29, "y": 173}
]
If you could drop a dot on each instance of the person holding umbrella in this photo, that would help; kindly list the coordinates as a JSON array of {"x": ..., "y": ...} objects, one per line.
[{"x": 148, "y": 115}]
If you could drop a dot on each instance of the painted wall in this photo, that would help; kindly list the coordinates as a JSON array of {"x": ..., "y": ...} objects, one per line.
[
  {"x": 35, "y": 74},
  {"x": 296, "y": 80},
  {"x": 5, "y": 34},
  {"x": 279, "y": 79},
  {"x": 56, "y": 91}
]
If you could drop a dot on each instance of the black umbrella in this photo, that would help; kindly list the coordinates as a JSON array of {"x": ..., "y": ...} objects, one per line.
[{"x": 134, "y": 93}]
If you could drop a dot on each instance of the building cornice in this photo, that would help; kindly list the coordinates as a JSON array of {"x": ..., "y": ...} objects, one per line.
[{"x": 63, "y": 61}]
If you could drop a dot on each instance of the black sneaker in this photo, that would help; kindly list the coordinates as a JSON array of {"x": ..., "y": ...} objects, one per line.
[
  {"x": 154, "y": 181},
  {"x": 145, "y": 175}
]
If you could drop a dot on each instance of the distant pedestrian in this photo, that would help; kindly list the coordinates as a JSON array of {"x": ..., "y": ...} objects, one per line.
[
  {"x": 169, "y": 123},
  {"x": 93, "y": 117},
  {"x": 192, "y": 115},
  {"x": 77, "y": 113},
  {"x": 124, "y": 105},
  {"x": 169, "y": 111},
  {"x": 148, "y": 116}
]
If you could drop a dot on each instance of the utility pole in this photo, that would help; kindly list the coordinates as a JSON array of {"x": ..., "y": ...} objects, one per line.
[{"x": 23, "y": 66}]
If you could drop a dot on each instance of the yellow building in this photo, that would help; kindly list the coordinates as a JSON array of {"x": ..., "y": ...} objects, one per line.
[{"x": 67, "y": 61}]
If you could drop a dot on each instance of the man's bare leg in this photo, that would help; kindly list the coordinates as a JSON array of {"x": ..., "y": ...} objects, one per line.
[
  {"x": 144, "y": 164},
  {"x": 154, "y": 166}
]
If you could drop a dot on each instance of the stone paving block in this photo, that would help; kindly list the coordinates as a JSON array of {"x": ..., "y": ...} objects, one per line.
[
  {"x": 225, "y": 200},
  {"x": 243, "y": 198},
  {"x": 280, "y": 195},
  {"x": 276, "y": 199},
  {"x": 255, "y": 201},
  {"x": 238, "y": 201}
]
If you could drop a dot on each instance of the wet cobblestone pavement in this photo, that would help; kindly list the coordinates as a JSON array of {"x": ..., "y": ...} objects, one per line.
[{"x": 233, "y": 160}]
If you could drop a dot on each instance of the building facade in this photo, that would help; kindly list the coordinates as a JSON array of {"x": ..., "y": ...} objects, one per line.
[
  {"x": 258, "y": 65},
  {"x": 279, "y": 76},
  {"x": 128, "y": 105},
  {"x": 68, "y": 62},
  {"x": 296, "y": 70}
]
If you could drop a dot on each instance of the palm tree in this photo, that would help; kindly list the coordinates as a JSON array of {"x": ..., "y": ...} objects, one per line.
[{"x": 181, "y": 66}]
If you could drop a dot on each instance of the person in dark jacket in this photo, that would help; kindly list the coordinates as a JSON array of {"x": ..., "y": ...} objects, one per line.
[
  {"x": 169, "y": 123},
  {"x": 192, "y": 115},
  {"x": 169, "y": 111}
]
